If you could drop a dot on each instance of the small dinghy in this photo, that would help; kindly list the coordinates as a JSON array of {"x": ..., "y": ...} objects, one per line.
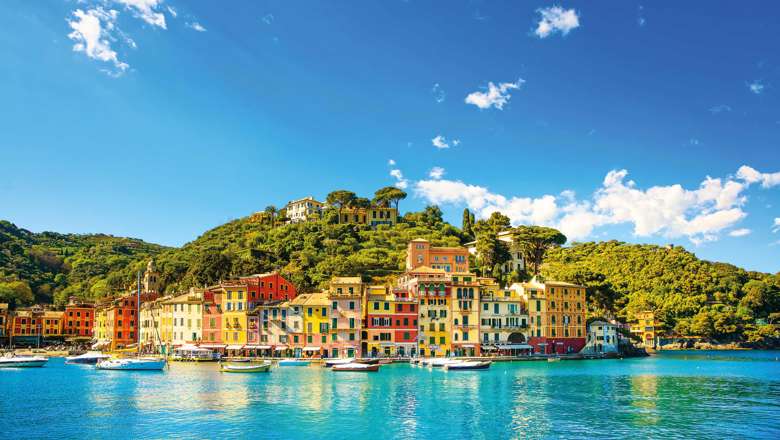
[
  {"x": 88, "y": 358},
  {"x": 440, "y": 362},
  {"x": 356, "y": 367},
  {"x": 247, "y": 368},
  {"x": 334, "y": 362},
  {"x": 294, "y": 363},
  {"x": 22, "y": 362},
  {"x": 132, "y": 364},
  {"x": 468, "y": 365}
]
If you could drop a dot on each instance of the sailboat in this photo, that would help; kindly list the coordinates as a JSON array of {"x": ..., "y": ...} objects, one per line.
[{"x": 136, "y": 363}]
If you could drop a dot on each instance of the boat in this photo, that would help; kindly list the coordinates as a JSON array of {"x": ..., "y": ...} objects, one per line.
[
  {"x": 414, "y": 361},
  {"x": 251, "y": 368},
  {"x": 137, "y": 363},
  {"x": 440, "y": 362},
  {"x": 193, "y": 353},
  {"x": 333, "y": 362},
  {"x": 468, "y": 365},
  {"x": 132, "y": 364},
  {"x": 22, "y": 361},
  {"x": 88, "y": 358},
  {"x": 385, "y": 361},
  {"x": 554, "y": 359},
  {"x": 368, "y": 361},
  {"x": 294, "y": 362},
  {"x": 354, "y": 366}
]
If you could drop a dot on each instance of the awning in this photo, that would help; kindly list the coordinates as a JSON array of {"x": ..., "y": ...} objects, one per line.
[
  {"x": 212, "y": 345},
  {"x": 515, "y": 347},
  {"x": 387, "y": 344},
  {"x": 311, "y": 348},
  {"x": 235, "y": 347},
  {"x": 258, "y": 347},
  {"x": 281, "y": 348},
  {"x": 467, "y": 346}
]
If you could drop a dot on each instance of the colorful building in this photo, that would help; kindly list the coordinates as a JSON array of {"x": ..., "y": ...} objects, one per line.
[
  {"x": 420, "y": 253},
  {"x": 212, "y": 320},
  {"x": 646, "y": 328},
  {"x": 303, "y": 210},
  {"x": 346, "y": 297},
  {"x": 602, "y": 338},
  {"x": 51, "y": 327},
  {"x": 25, "y": 326},
  {"x": 432, "y": 288},
  {"x": 373, "y": 216},
  {"x": 295, "y": 328},
  {"x": 272, "y": 322},
  {"x": 187, "y": 315},
  {"x": 378, "y": 332},
  {"x": 234, "y": 315},
  {"x": 267, "y": 287},
  {"x": 78, "y": 319},
  {"x": 464, "y": 314},
  {"x": 4, "y": 323},
  {"x": 405, "y": 322},
  {"x": 557, "y": 313},
  {"x": 316, "y": 324},
  {"x": 515, "y": 262},
  {"x": 503, "y": 319}
]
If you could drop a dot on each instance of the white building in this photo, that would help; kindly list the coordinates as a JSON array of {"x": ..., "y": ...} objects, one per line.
[
  {"x": 300, "y": 210},
  {"x": 602, "y": 338},
  {"x": 514, "y": 264}
]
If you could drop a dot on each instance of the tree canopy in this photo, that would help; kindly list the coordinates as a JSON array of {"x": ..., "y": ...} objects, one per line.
[{"x": 533, "y": 242}]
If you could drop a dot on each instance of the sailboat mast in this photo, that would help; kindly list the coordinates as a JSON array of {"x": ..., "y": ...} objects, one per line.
[{"x": 138, "y": 313}]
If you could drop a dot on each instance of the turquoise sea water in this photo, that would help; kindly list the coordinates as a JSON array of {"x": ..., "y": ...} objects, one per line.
[{"x": 680, "y": 395}]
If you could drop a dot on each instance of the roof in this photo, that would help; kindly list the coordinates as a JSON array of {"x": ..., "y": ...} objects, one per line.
[
  {"x": 346, "y": 280},
  {"x": 562, "y": 283},
  {"x": 602, "y": 323},
  {"x": 317, "y": 299},
  {"x": 259, "y": 275},
  {"x": 419, "y": 240}
]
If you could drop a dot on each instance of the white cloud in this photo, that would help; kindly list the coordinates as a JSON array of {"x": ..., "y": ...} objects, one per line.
[
  {"x": 700, "y": 214},
  {"x": 438, "y": 94},
  {"x": 268, "y": 18},
  {"x": 391, "y": 162},
  {"x": 556, "y": 19},
  {"x": 756, "y": 87},
  {"x": 172, "y": 11},
  {"x": 441, "y": 142},
  {"x": 776, "y": 227},
  {"x": 496, "y": 96},
  {"x": 751, "y": 175},
  {"x": 436, "y": 173},
  {"x": 92, "y": 34},
  {"x": 196, "y": 26},
  {"x": 740, "y": 232},
  {"x": 147, "y": 10},
  {"x": 400, "y": 181}
]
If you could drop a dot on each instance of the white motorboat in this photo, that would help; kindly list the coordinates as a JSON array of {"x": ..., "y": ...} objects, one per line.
[
  {"x": 353, "y": 366},
  {"x": 133, "y": 364},
  {"x": 88, "y": 358},
  {"x": 332, "y": 362},
  {"x": 468, "y": 365},
  {"x": 22, "y": 361},
  {"x": 440, "y": 362}
]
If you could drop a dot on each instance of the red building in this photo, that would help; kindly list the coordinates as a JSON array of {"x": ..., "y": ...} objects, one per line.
[
  {"x": 78, "y": 319},
  {"x": 262, "y": 288},
  {"x": 405, "y": 320}
]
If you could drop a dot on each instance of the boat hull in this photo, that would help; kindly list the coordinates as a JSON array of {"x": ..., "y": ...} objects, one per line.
[
  {"x": 369, "y": 368},
  {"x": 23, "y": 362},
  {"x": 132, "y": 365},
  {"x": 245, "y": 368},
  {"x": 468, "y": 366}
]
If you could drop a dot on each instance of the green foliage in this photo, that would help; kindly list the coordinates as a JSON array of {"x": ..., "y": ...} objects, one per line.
[
  {"x": 533, "y": 242},
  {"x": 467, "y": 225},
  {"x": 16, "y": 293},
  {"x": 690, "y": 296},
  {"x": 55, "y": 266},
  {"x": 389, "y": 196}
]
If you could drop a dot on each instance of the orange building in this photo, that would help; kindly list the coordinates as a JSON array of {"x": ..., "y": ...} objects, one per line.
[
  {"x": 420, "y": 253},
  {"x": 3, "y": 321},
  {"x": 52, "y": 324},
  {"x": 78, "y": 319},
  {"x": 557, "y": 313}
]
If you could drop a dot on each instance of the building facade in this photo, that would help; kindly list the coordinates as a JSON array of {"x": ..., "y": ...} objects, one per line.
[
  {"x": 420, "y": 253},
  {"x": 557, "y": 313},
  {"x": 504, "y": 320},
  {"x": 304, "y": 209},
  {"x": 646, "y": 327},
  {"x": 78, "y": 320},
  {"x": 346, "y": 297},
  {"x": 602, "y": 338},
  {"x": 516, "y": 262},
  {"x": 465, "y": 314}
]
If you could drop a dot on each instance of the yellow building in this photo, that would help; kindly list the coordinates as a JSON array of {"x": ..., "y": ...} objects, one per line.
[
  {"x": 465, "y": 314},
  {"x": 646, "y": 327},
  {"x": 378, "y": 334},
  {"x": 504, "y": 320},
  {"x": 3, "y": 320},
  {"x": 234, "y": 317},
  {"x": 186, "y": 317},
  {"x": 557, "y": 313},
  {"x": 316, "y": 323},
  {"x": 51, "y": 324},
  {"x": 100, "y": 328},
  {"x": 373, "y": 216}
]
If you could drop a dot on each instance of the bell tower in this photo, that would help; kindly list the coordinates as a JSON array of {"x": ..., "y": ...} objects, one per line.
[{"x": 150, "y": 278}]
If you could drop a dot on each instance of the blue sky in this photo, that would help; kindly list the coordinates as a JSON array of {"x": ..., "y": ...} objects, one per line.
[{"x": 610, "y": 120}]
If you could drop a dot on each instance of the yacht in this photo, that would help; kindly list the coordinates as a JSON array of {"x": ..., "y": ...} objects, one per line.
[
  {"x": 22, "y": 361},
  {"x": 88, "y": 358}
]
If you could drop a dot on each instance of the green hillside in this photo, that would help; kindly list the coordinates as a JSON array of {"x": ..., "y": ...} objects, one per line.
[{"x": 48, "y": 267}]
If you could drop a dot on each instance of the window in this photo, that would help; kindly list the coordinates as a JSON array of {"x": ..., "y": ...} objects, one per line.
[
  {"x": 335, "y": 323},
  {"x": 376, "y": 305},
  {"x": 335, "y": 305},
  {"x": 442, "y": 340},
  {"x": 351, "y": 323},
  {"x": 309, "y": 311},
  {"x": 352, "y": 305},
  {"x": 387, "y": 305}
]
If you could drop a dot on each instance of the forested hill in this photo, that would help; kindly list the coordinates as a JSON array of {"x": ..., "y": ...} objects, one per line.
[
  {"x": 48, "y": 267},
  {"x": 691, "y": 296}
]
